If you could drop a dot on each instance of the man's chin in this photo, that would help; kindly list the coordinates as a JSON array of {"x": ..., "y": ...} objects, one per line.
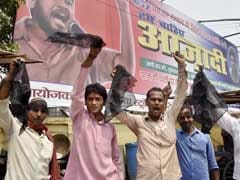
[
  {"x": 95, "y": 112},
  {"x": 37, "y": 124},
  {"x": 186, "y": 128},
  {"x": 157, "y": 114}
]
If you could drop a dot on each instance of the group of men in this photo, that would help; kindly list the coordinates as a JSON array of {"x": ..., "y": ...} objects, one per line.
[{"x": 163, "y": 153}]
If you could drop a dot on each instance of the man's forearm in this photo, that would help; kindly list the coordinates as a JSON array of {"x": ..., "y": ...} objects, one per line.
[
  {"x": 5, "y": 85},
  {"x": 214, "y": 174},
  {"x": 180, "y": 92},
  {"x": 182, "y": 80},
  {"x": 79, "y": 85},
  {"x": 127, "y": 56},
  {"x": 5, "y": 88},
  {"x": 88, "y": 61}
]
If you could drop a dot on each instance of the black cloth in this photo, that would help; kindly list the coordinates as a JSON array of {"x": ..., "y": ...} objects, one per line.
[
  {"x": 227, "y": 141},
  {"x": 120, "y": 95},
  {"x": 208, "y": 106},
  {"x": 77, "y": 39},
  {"x": 20, "y": 93},
  {"x": 3, "y": 163}
]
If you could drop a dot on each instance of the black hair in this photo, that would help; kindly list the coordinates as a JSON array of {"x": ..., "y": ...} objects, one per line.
[
  {"x": 187, "y": 105},
  {"x": 38, "y": 103},
  {"x": 154, "y": 89},
  {"x": 96, "y": 88}
]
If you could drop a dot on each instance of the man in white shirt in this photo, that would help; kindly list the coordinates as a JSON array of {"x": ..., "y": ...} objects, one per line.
[
  {"x": 210, "y": 108},
  {"x": 232, "y": 126},
  {"x": 31, "y": 154}
]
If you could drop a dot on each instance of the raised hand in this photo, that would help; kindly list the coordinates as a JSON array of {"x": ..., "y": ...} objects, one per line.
[
  {"x": 179, "y": 58},
  {"x": 114, "y": 71},
  {"x": 12, "y": 69},
  {"x": 167, "y": 90},
  {"x": 91, "y": 56},
  {"x": 94, "y": 52},
  {"x": 6, "y": 82}
]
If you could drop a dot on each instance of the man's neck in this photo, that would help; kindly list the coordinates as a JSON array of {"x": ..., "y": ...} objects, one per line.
[
  {"x": 38, "y": 128},
  {"x": 99, "y": 116},
  {"x": 188, "y": 131},
  {"x": 155, "y": 118},
  {"x": 41, "y": 34},
  {"x": 39, "y": 37}
]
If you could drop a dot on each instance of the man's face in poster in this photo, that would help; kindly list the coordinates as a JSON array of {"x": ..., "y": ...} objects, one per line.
[
  {"x": 233, "y": 65},
  {"x": 52, "y": 15}
]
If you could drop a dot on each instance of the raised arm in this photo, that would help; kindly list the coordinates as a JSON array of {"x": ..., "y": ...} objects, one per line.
[
  {"x": 6, "y": 116},
  {"x": 127, "y": 55},
  {"x": 181, "y": 90},
  {"x": 130, "y": 120},
  {"x": 6, "y": 82},
  {"x": 77, "y": 105}
]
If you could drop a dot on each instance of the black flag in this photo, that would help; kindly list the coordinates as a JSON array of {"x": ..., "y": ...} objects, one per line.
[
  {"x": 77, "y": 39},
  {"x": 120, "y": 95},
  {"x": 208, "y": 106},
  {"x": 20, "y": 93}
]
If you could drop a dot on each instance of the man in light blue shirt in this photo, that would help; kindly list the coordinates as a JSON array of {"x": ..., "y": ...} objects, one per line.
[{"x": 195, "y": 150}]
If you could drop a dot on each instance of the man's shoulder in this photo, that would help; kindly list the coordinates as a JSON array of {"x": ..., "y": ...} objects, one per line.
[
  {"x": 201, "y": 133},
  {"x": 202, "y": 136},
  {"x": 110, "y": 125},
  {"x": 5, "y": 101},
  {"x": 179, "y": 131},
  {"x": 109, "y": 129},
  {"x": 137, "y": 117}
]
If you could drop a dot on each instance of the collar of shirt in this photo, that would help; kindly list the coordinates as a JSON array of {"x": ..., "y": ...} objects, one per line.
[
  {"x": 101, "y": 122},
  {"x": 94, "y": 119},
  {"x": 195, "y": 130},
  {"x": 35, "y": 132},
  {"x": 147, "y": 118}
]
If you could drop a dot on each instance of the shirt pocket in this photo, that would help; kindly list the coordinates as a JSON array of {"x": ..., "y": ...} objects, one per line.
[
  {"x": 200, "y": 149},
  {"x": 46, "y": 150}
]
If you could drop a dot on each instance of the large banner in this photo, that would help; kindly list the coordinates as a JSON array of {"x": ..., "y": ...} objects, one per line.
[{"x": 140, "y": 34}]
